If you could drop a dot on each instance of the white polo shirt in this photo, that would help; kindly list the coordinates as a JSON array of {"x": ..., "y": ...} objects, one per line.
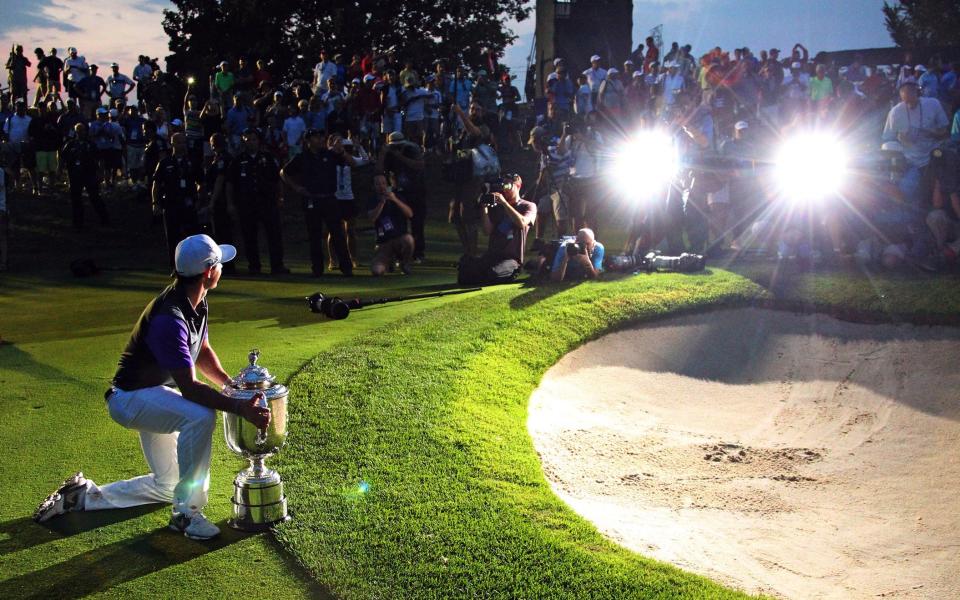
[{"x": 595, "y": 77}]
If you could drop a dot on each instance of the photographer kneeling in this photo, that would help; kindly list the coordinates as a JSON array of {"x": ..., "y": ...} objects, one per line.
[
  {"x": 507, "y": 219},
  {"x": 391, "y": 217},
  {"x": 578, "y": 258}
]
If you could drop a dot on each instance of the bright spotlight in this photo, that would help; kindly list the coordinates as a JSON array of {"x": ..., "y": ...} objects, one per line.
[
  {"x": 811, "y": 166},
  {"x": 645, "y": 163}
]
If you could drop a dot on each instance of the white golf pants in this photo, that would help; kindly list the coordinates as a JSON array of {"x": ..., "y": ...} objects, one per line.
[{"x": 176, "y": 435}]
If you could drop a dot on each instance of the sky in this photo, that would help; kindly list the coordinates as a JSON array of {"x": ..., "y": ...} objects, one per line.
[{"x": 132, "y": 27}]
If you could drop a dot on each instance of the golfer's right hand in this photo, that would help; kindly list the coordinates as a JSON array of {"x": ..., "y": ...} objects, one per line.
[{"x": 256, "y": 414}]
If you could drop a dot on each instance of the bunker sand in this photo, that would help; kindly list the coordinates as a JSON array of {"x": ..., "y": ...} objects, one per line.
[{"x": 796, "y": 456}]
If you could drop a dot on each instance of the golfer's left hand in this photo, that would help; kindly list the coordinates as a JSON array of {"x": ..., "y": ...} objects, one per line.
[{"x": 258, "y": 415}]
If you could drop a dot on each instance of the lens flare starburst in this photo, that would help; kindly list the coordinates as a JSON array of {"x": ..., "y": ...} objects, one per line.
[
  {"x": 645, "y": 163},
  {"x": 810, "y": 167}
]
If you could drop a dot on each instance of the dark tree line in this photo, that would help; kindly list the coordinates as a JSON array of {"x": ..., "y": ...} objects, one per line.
[
  {"x": 923, "y": 23},
  {"x": 290, "y": 33}
]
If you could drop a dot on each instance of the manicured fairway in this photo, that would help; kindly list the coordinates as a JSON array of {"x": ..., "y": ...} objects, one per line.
[{"x": 425, "y": 402}]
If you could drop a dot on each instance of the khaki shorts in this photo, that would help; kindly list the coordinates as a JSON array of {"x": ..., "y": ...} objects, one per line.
[{"x": 47, "y": 161}]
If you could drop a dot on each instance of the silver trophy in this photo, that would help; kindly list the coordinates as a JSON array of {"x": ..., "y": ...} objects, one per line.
[{"x": 258, "y": 499}]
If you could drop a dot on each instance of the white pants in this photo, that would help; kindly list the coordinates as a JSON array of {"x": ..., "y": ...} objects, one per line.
[{"x": 176, "y": 435}]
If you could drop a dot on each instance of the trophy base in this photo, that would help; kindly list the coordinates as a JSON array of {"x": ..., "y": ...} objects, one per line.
[{"x": 258, "y": 501}]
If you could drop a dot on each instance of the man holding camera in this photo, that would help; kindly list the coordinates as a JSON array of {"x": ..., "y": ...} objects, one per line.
[
  {"x": 390, "y": 215},
  {"x": 167, "y": 346},
  {"x": 578, "y": 258},
  {"x": 405, "y": 159},
  {"x": 506, "y": 219}
]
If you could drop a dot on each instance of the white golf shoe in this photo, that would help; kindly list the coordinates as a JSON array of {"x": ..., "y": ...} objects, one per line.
[
  {"x": 67, "y": 498},
  {"x": 196, "y": 527}
]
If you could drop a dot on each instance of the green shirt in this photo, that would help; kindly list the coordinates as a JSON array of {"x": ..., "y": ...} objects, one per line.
[
  {"x": 820, "y": 88},
  {"x": 223, "y": 81}
]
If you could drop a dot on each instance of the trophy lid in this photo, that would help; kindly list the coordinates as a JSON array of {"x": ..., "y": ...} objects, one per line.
[{"x": 257, "y": 378}]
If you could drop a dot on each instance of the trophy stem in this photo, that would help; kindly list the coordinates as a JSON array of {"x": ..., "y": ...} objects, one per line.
[{"x": 257, "y": 466}]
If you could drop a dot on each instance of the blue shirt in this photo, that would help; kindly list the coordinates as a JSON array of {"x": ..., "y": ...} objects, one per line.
[
  {"x": 315, "y": 119},
  {"x": 133, "y": 130},
  {"x": 596, "y": 258},
  {"x": 929, "y": 84},
  {"x": 947, "y": 82},
  {"x": 238, "y": 120},
  {"x": 460, "y": 90}
]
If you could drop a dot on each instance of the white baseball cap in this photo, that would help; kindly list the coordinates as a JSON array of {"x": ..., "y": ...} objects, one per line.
[
  {"x": 741, "y": 125},
  {"x": 595, "y": 58},
  {"x": 198, "y": 253}
]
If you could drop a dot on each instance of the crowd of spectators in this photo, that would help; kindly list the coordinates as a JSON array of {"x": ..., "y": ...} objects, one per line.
[{"x": 231, "y": 144}]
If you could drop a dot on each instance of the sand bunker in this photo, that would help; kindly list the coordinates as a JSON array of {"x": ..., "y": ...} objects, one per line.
[{"x": 797, "y": 456}]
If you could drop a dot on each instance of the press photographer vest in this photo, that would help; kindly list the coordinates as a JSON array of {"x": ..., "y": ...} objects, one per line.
[{"x": 138, "y": 367}]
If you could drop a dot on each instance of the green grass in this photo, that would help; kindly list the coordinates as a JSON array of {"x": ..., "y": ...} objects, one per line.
[
  {"x": 431, "y": 414},
  {"x": 425, "y": 401},
  {"x": 862, "y": 293}
]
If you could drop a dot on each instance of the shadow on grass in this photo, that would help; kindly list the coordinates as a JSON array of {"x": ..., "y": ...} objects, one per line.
[
  {"x": 111, "y": 565},
  {"x": 23, "y": 533},
  {"x": 539, "y": 290},
  {"x": 13, "y": 358},
  {"x": 314, "y": 589}
]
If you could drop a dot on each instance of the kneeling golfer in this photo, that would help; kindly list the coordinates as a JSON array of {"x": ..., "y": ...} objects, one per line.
[{"x": 168, "y": 343}]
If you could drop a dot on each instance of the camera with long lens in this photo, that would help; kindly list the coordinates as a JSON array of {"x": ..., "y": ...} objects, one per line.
[
  {"x": 654, "y": 261},
  {"x": 330, "y": 306},
  {"x": 486, "y": 199},
  {"x": 893, "y": 162},
  {"x": 572, "y": 127},
  {"x": 575, "y": 249},
  {"x": 945, "y": 164}
]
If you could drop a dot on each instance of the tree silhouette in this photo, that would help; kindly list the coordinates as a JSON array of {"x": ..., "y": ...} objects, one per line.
[
  {"x": 291, "y": 33},
  {"x": 919, "y": 23}
]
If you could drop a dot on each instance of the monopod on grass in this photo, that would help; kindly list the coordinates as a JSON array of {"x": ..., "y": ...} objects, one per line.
[{"x": 338, "y": 308}]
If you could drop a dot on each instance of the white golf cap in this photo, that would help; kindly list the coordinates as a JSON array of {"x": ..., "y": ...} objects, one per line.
[
  {"x": 612, "y": 71},
  {"x": 628, "y": 62},
  {"x": 920, "y": 68},
  {"x": 741, "y": 125},
  {"x": 198, "y": 253},
  {"x": 595, "y": 58}
]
